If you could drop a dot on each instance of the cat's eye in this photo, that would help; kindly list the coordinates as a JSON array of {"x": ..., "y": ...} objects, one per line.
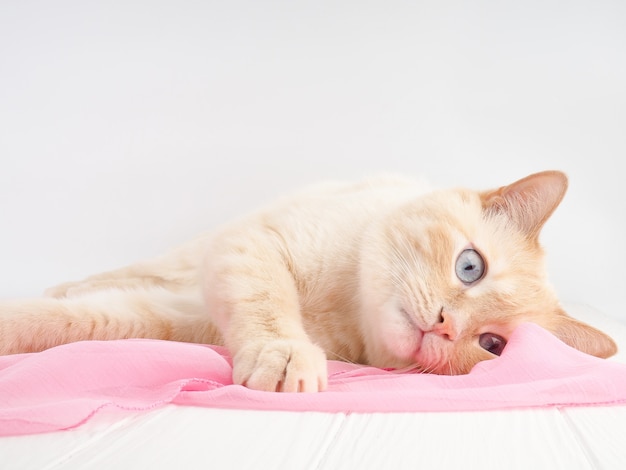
[
  {"x": 470, "y": 266},
  {"x": 492, "y": 342}
]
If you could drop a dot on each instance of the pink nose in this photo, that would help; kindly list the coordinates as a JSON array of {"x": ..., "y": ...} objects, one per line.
[{"x": 446, "y": 327}]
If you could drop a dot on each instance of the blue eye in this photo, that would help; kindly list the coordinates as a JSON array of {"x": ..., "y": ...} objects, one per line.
[
  {"x": 493, "y": 343},
  {"x": 470, "y": 266}
]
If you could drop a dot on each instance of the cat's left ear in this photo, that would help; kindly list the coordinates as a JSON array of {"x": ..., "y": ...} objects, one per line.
[
  {"x": 581, "y": 336},
  {"x": 528, "y": 202}
]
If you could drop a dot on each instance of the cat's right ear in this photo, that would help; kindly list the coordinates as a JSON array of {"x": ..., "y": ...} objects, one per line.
[
  {"x": 528, "y": 202},
  {"x": 581, "y": 336}
]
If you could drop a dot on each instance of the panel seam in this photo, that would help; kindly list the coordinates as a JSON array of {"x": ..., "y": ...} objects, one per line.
[{"x": 592, "y": 460}]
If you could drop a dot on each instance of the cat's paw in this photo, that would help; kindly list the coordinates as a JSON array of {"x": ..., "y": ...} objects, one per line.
[{"x": 282, "y": 366}]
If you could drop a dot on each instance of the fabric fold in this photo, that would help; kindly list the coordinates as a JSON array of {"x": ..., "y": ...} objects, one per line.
[{"x": 63, "y": 387}]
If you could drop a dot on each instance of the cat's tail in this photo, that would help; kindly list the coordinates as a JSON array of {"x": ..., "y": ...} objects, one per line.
[{"x": 36, "y": 324}]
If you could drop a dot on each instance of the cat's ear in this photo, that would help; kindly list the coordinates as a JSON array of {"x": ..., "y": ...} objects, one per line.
[
  {"x": 528, "y": 202},
  {"x": 583, "y": 337}
]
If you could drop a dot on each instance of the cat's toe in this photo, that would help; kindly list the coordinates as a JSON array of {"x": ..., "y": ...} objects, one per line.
[{"x": 281, "y": 366}]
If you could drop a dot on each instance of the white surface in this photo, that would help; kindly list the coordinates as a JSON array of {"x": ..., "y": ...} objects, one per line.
[
  {"x": 128, "y": 126},
  {"x": 177, "y": 437},
  {"x": 180, "y": 437}
]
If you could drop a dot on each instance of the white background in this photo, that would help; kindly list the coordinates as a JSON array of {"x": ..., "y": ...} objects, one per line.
[{"x": 127, "y": 127}]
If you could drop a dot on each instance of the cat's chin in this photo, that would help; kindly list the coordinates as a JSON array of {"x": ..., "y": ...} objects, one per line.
[{"x": 400, "y": 344}]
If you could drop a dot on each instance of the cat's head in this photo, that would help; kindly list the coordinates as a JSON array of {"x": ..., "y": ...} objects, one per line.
[{"x": 448, "y": 277}]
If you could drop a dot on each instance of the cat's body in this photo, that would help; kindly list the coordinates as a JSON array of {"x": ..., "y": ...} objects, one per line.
[{"x": 384, "y": 272}]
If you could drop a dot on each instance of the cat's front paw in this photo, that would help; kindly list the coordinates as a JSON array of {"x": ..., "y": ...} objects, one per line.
[{"x": 281, "y": 365}]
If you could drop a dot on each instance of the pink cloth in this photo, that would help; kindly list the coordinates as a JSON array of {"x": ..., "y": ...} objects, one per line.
[{"x": 63, "y": 387}]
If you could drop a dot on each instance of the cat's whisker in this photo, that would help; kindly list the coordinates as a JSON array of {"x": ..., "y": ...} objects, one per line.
[
  {"x": 425, "y": 369},
  {"x": 411, "y": 368},
  {"x": 341, "y": 357},
  {"x": 408, "y": 277}
]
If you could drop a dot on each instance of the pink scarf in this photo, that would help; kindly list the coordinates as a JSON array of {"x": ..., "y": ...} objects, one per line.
[{"x": 63, "y": 387}]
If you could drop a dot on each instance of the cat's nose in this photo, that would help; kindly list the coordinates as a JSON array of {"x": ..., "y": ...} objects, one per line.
[{"x": 445, "y": 327}]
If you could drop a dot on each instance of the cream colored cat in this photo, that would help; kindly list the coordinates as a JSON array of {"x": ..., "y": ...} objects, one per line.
[{"x": 384, "y": 272}]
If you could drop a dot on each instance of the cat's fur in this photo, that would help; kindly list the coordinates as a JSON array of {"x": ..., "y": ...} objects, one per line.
[{"x": 358, "y": 272}]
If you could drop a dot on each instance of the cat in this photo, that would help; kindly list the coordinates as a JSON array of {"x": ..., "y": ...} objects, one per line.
[{"x": 387, "y": 272}]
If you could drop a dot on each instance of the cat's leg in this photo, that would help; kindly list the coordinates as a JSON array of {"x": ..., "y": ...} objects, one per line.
[
  {"x": 172, "y": 273},
  {"x": 119, "y": 279},
  {"x": 252, "y": 295},
  {"x": 175, "y": 271},
  {"x": 33, "y": 325}
]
